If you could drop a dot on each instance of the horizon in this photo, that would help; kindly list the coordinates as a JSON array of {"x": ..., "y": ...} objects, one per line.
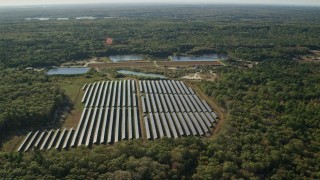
[{"x": 18, "y": 3}]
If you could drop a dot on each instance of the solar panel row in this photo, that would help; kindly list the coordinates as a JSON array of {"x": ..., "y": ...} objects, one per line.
[{"x": 172, "y": 109}]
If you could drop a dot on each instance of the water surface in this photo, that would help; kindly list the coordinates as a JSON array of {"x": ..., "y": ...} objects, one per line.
[
  {"x": 205, "y": 57},
  {"x": 65, "y": 19},
  {"x": 38, "y": 18},
  {"x": 67, "y": 71},
  {"x": 125, "y": 72},
  {"x": 118, "y": 58},
  {"x": 86, "y": 17}
]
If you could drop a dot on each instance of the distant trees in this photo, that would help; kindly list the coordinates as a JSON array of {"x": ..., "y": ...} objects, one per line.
[{"x": 248, "y": 33}]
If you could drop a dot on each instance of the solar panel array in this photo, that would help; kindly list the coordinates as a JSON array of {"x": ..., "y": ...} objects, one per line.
[
  {"x": 58, "y": 139},
  {"x": 111, "y": 114},
  {"x": 172, "y": 109}
]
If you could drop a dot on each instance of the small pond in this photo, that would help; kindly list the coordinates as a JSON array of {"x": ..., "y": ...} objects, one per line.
[
  {"x": 38, "y": 18},
  {"x": 67, "y": 71},
  {"x": 86, "y": 17},
  {"x": 125, "y": 72},
  {"x": 118, "y": 58},
  {"x": 205, "y": 57}
]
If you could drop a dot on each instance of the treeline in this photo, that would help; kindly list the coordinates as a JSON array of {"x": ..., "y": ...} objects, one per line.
[
  {"x": 27, "y": 99},
  {"x": 272, "y": 129},
  {"x": 246, "y": 32},
  {"x": 160, "y": 159}
]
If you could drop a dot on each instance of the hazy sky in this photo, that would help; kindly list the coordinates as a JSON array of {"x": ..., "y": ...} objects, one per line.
[{"x": 45, "y": 2}]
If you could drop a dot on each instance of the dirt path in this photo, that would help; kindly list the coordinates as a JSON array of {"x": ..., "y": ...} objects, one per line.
[
  {"x": 13, "y": 143},
  {"x": 314, "y": 57},
  {"x": 222, "y": 63},
  {"x": 92, "y": 60},
  {"x": 155, "y": 63},
  {"x": 141, "y": 119},
  {"x": 195, "y": 76},
  {"x": 75, "y": 113}
]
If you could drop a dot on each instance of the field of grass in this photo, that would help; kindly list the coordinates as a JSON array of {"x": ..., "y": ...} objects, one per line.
[
  {"x": 72, "y": 87},
  {"x": 12, "y": 144}
]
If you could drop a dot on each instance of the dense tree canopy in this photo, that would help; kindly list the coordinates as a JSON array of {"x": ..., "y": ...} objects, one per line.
[
  {"x": 27, "y": 99},
  {"x": 165, "y": 159},
  {"x": 272, "y": 130},
  {"x": 246, "y": 32}
]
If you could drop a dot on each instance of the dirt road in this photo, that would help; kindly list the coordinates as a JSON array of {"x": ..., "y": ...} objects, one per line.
[{"x": 159, "y": 63}]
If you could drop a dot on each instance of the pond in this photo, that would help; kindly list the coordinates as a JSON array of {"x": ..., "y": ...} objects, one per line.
[
  {"x": 67, "y": 71},
  {"x": 125, "y": 72},
  {"x": 63, "y": 19},
  {"x": 205, "y": 57},
  {"x": 38, "y": 18},
  {"x": 118, "y": 58},
  {"x": 86, "y": 17}
]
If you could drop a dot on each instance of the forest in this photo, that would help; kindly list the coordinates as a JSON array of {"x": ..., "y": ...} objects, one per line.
[
  {"x": 271, "y": 130},
  {"x": 27, "y": 99},
  {"x": 254, "y": 33}
]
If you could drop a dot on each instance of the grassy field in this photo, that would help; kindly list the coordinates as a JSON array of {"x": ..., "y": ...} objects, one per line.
[
  {"x": 12, "y": 144},
  {"x": 72, "y": 87}
]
